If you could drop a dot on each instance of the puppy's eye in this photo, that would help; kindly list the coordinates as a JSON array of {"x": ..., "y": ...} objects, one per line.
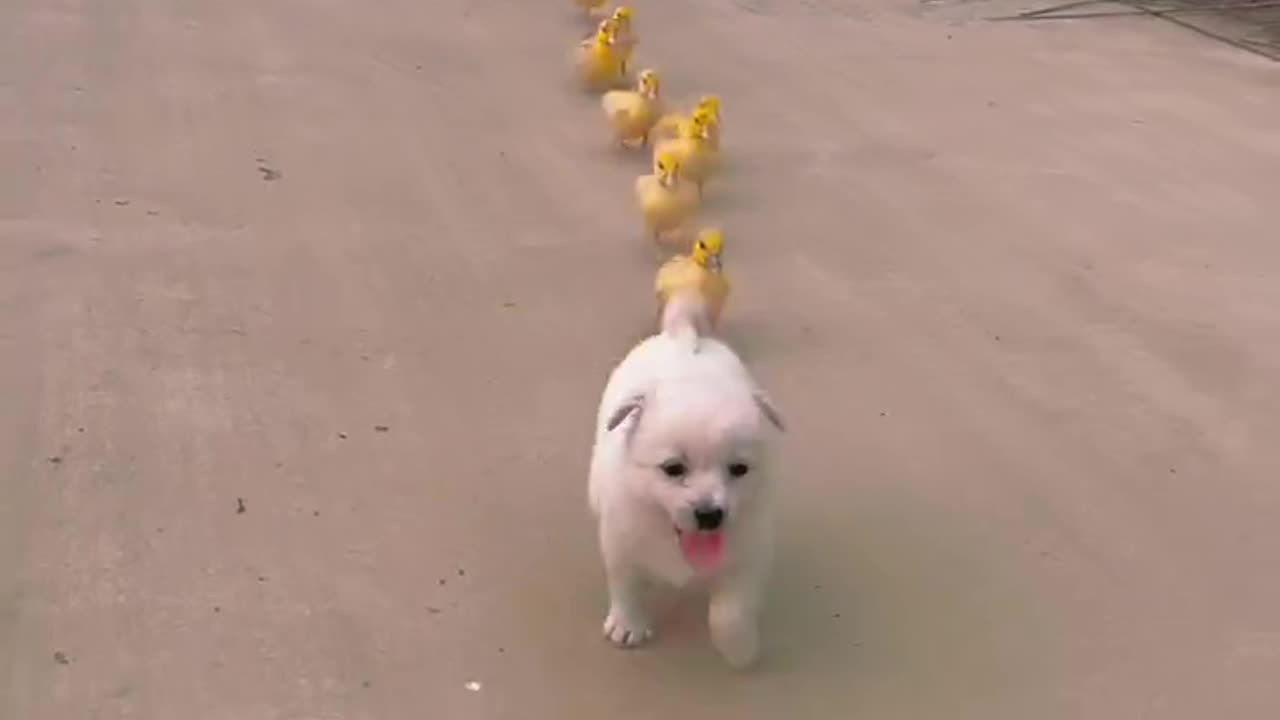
[
  {"x": 674, "y": 469},
  {"x": 738, "y": 469}
]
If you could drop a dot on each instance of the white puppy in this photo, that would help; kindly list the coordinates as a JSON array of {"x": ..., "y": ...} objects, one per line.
[{"x": 678, "y": 482}]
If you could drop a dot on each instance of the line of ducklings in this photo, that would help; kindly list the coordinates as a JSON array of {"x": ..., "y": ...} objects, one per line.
[{"x": 686, "y": 154}]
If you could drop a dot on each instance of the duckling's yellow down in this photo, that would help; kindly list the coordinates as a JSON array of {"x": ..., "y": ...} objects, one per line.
[
  {"x": 632, "y": 113},
  {"x": 676, "y": 125},
  {"x": 699, "y": 272},
  {"x": 665, "y": 201},
  {"x": 625, "y": 39},
  {"x": 598, "y": 63},
  {"x": 698, "y": 159}
]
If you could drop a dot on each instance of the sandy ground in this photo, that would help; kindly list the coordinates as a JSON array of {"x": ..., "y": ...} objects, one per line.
[{"x": 365, "y": 270}]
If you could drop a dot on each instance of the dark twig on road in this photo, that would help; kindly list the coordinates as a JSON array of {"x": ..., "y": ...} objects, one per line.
[
  {"x": 1051, "y": 9},
  {"x": 1167, "y": 11},
  {"x": 1270, "y": 53},
  {"x": 1052, "y": 14}
]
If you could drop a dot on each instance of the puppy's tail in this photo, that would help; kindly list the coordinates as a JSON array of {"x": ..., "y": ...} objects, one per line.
[{"x": 685, "y": 318}]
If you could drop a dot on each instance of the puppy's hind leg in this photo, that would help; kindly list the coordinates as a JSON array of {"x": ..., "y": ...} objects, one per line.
[{"x": 734, "y": 616}]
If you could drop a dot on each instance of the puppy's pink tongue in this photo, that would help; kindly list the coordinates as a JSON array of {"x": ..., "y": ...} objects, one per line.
[{"x": 702, "y": 549}]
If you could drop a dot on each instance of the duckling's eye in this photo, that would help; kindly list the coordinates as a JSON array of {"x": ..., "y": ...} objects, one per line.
[
  {"x": 674, "y": 469},
  {"x": 738, "y": 469},
  {"x": 702, "y": 246}
]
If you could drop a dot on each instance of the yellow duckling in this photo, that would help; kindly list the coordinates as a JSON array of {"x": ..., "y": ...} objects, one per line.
[
  {"x": 632, "y": 113},
  {"x": 597, "y": 60},
  {"x": 676, "y": 125},
  {"x": 671, "y": 125},
  {"x": 700, "y": 272},
  {"x": 712, "y": 104},
  {"x": 693, "y": 150},
  {"x": 626, "y": 39},
  {"x": 665, "y": 201}
]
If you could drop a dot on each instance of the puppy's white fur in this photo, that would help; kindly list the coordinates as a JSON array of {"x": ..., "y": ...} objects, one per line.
[{"x": 679, "y": 395}]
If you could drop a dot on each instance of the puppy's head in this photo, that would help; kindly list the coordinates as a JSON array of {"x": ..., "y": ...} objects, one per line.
[{"x": 696, "y": 452}]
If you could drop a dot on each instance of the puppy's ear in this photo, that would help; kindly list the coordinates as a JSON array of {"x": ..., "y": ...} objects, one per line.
[
  {"x": 633, "y": 404},
  {"x": 769, "y": 410}
]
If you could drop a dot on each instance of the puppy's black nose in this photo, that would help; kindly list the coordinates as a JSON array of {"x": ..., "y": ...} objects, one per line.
[{"x": 708, "y": 518}]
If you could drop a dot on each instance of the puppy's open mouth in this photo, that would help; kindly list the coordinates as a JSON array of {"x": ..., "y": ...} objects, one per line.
[{"x": 703, "y": 549}]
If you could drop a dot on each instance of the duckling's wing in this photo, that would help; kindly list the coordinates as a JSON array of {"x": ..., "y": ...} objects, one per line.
[
  {"x": 664, "y": 146},
  {"x": 669, "y": 124},
  {"x": 716, "y": 287},
  {"x": 619, "y": 102},
  {"x": 688, "y": 197},
  {"x": 668, "y": 276},
  {"x": 678, "y": 273}
]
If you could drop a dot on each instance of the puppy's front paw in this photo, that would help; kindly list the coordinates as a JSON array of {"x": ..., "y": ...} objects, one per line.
[
  {"x": 625, "y": 630},
  {"x": 734, "y": 634},
  {"x": 738, "y": 646}
]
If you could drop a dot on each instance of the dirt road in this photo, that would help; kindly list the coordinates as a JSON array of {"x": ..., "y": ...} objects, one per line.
[{"x": 305, "y": 308}]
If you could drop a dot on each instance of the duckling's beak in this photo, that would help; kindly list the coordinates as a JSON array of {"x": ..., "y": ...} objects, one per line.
[{"x": 713, "y": 262}]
